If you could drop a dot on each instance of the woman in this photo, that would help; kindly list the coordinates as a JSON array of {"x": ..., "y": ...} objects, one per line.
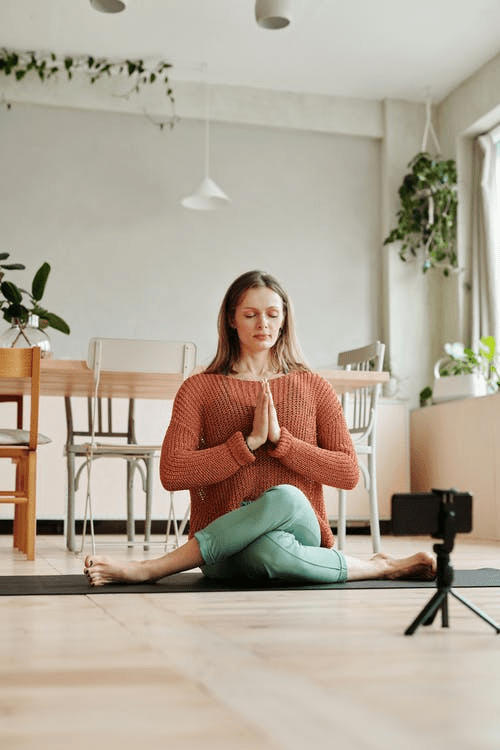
[{"x": 254, "y": 438}]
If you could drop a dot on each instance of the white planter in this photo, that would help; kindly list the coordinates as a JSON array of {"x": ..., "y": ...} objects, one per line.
[{"x": 453, "y": 387}]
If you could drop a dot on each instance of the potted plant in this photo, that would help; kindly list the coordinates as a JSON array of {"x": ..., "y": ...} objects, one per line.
[
  {"x": 464, "y": 372},
  {"x": 22, "y": 309},
  {"x": 427, "y": 219}
]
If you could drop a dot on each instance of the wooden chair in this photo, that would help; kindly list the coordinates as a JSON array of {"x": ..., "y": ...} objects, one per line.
[
  {"x": 101, "y": 422},
  {"x": 20, "y": 446},
  {"x": 360, "y": 410}
]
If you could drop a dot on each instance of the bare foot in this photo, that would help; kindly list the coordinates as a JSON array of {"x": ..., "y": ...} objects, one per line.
[
  {"x": 102, "y": 570},
  {"x": 418, "y": 567}
]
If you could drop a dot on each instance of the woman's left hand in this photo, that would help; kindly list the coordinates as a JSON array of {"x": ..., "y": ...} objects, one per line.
[{"x": 274, "y": 429}]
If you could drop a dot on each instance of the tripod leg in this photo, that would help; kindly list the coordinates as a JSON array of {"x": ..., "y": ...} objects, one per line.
[
  {"x": 427, "y": 614},
  {"x": 476, "y": 611},
  {"x": 444, "y": 611}
]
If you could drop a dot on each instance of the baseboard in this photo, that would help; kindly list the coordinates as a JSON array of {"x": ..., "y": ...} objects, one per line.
[
  {"x": 362, "y": 528},
  {"x": 55, "y": 527}
]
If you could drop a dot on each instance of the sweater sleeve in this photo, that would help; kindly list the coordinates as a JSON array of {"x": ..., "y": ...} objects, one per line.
[
  {"x": 184, "y": 463},
  {"x": 332, "y": 460}
]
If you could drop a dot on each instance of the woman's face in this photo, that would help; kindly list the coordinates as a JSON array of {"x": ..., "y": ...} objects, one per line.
[{"x": 258, "y": 319}]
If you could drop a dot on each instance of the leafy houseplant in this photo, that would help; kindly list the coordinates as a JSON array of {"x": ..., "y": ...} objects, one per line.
[
  {"x": 427, "y": 219},
  {"x": 18, "y": 306}
]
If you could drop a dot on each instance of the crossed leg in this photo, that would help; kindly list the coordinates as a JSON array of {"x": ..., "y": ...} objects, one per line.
[{"x": 277, "y": 536}]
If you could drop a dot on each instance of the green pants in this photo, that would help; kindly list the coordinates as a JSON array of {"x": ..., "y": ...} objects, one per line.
[{"x": 275, "y": 536}]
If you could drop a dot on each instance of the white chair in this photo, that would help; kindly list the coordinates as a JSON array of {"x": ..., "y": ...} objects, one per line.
[
  {"x": 360, "y": 410},
  {"x": 121, "y": 355}
]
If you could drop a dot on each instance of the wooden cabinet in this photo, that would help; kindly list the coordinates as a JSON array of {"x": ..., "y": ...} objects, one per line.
[{"x": 457, "y": 445}]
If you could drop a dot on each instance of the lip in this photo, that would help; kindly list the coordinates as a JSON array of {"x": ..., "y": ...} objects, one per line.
[{"x": 261, "y": 336}]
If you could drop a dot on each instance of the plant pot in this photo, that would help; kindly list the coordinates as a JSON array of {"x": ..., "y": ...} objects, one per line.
[
  {"x": 26, "y": 335},
  {"x": 453, "y": 387}
]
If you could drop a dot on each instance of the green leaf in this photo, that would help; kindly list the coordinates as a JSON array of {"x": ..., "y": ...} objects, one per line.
[
  {"x": 11, "y": 292},
  {"x": 39, "y": 281},
  {"x": 56, "y": 322},
  {"x": 425, "y": 395},
  {"x": 16, "y": 312},
  {"x": 488, "y": 346},
  {"x": 13, "y": 266}
]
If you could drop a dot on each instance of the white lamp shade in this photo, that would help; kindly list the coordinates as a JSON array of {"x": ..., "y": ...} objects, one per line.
[
  {"x": 206, "y": 197},
  {"x": 273, "y": 14},
  {"x": 108, "y": 6}
]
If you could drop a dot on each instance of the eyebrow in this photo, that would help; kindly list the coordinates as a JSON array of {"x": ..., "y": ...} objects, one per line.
[{"x": 271, "y": 307}]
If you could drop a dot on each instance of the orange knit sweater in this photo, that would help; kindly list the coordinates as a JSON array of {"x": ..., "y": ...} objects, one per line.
[{"x": 205, "y": 452}]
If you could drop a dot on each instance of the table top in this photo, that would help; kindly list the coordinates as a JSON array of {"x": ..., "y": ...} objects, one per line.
[{"x": 73, "y": 378}]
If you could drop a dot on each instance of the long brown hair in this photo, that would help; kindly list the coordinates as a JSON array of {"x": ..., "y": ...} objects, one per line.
[{"x": 286, "y": 354}]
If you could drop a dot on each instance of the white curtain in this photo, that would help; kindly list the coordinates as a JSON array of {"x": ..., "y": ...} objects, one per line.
[{"x": 486, "y": 237}]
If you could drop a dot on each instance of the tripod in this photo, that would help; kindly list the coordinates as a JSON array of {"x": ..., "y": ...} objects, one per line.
[{"x": 445, "y": 575}]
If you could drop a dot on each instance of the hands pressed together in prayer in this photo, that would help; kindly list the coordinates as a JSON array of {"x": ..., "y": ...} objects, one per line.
[{"x": 265, "y": 421}]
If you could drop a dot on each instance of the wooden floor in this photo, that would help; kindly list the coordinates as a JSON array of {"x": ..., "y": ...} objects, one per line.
[{"x": 237, "y": 670}]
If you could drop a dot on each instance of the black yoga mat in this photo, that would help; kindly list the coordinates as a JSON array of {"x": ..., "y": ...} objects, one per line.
[{"x": 195, "y": 582}]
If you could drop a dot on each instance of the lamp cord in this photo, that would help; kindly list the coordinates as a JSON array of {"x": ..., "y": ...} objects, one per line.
[{"x": 88, "y": 515}]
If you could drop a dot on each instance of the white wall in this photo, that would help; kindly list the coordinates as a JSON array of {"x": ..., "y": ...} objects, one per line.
[{"x": 97, "y": 194}]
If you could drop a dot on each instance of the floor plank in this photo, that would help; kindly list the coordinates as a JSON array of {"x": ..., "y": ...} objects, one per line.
[{"x": 268, "y": 669}]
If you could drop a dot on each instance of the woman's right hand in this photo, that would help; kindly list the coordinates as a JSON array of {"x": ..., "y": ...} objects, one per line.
[{"x": 260, "y": 428}]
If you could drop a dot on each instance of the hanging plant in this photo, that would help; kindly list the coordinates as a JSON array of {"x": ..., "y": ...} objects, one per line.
[
  {"x": 49, "y": 65},
  {"x": 427, "y": 219}
]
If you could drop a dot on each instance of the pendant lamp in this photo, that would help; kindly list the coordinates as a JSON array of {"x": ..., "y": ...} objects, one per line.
[
  {"x": 207, "y": 196},
  {"x": 273, "y": 14},
  {"x": 108, "y": 6}
]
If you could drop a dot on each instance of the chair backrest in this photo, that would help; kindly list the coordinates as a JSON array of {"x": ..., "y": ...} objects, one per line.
[
  {"x": 138, "y": 355},
  {"x": 106, "y": 420},
  {"x": 359, "y": 406},
  {"x": 126, "y": 355},
  {"x": 17, "y": 363},
  {"x": 18, "y": 401}
]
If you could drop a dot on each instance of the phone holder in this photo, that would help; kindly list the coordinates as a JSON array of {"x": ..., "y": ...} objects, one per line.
[{"x": 439, "y": 602}]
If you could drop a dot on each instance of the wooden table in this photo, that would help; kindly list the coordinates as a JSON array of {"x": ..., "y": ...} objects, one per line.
[{"x": 73, "y": 378}]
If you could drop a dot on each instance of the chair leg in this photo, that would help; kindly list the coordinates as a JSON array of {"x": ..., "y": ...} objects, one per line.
[
  {"x": 373, "y": 498},
  {"x": 183, "y": 525},
  {"x": 149, "y": 497},
  {"x": 172, "y": 522},
  {"x": 88, "y": 516},
  {"x": 70, "y": 507},
  {"x": 130, "y": 502},
  {"x": 17, "y": 527},
  {"x": 17, "y": 522},
  {"x": 30, "y": 509},
  {"x": 341, "y": 523}
]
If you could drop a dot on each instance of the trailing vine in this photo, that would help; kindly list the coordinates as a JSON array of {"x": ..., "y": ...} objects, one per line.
[{"x": 47, "y": 65}]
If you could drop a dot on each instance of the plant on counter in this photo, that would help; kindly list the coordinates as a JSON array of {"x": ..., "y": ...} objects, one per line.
[
  {"x": 427, "y": 219},
  {"x": 463, "y": 360},
  {"x": 17, "y": 304}
]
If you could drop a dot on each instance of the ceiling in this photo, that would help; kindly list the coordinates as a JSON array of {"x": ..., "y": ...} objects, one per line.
[{"x": 369, "y": 49}]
